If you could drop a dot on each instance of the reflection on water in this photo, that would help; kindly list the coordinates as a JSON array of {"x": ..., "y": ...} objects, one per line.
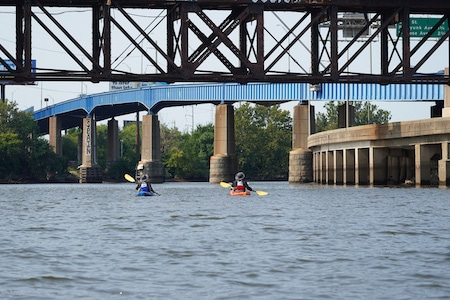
[{"x": 197, "y": 242}]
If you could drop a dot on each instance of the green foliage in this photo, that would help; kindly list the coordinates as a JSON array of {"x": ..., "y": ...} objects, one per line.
[
  {"x": 365, "y": 113},
  {"x": 187, "y": 155},
  {"x": 263, "y": 141},
  {"x": 70, "y": 144},
  {"x": 23, "y": 153}
]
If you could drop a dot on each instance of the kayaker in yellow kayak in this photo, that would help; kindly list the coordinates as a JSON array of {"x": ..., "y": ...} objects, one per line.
[{"x": 240, "y": 184}]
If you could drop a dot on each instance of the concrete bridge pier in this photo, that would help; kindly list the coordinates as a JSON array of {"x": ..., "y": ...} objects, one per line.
[
  {"x": 90, "y": 171},
  {"x": 300, "y": 158},
  {"x": 54, "y": 134},
  {"x": 151, "y": 163},
  {"x": 113, "y": 146},
  {"x": 223, "y": 164}
]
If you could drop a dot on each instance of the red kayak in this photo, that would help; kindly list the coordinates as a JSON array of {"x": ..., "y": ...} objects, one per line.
[{"x": 236, "y": 193}]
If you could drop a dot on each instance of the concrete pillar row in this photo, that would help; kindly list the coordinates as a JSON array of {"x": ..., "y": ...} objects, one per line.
[
  {"x": 90, "y": 171},
  {"x": 54, "y": 132},
  {"x": 151, "y": 163},
  {"x": 223, "y": 164}
]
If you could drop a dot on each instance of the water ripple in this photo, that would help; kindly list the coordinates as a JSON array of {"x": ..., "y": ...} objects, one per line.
[{"x": 298, "y": 242}]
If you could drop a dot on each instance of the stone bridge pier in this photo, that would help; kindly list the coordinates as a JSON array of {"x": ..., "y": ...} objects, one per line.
[
  {"x": 90, "y": 171},
  {"x": 223, "y": 164},
  {"x": 300, "y": 158},
  {"x": 150, "y": 163}
]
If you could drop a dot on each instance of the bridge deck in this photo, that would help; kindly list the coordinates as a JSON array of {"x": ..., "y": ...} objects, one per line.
[{"x": 155, "y": 98}]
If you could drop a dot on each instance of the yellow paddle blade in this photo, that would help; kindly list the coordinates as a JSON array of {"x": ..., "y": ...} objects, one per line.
[
  {"x": 129, "y": 178},
  {"x": 261, "y": 193},
  {"x": 224, "y": 184}
]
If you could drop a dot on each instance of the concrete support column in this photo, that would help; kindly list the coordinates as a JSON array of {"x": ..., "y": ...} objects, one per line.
[
  {"x": 339, "y": 167},
  {"x": 113, "y": 147},
  {"x": 90, "y": 171},
  {"x": 357, "y": 175},
  {"x": 330, "y": 167},
  {"x": 54, "y": 133},
  {"x": 151, "y": 149},
  {"x": 323, "y": 167},
  {"x": 343, "y": 119},
  {"x": 300, "y": 158},
  {"x": 444, "y": 165},
  {"x": 223, "y": 164},
  {"x": 316, "y": 165},
  {"x": 446, "y": 109}
]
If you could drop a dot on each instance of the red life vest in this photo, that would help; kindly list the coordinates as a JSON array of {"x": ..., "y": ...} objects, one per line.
[{"x": 240, "y": 186}]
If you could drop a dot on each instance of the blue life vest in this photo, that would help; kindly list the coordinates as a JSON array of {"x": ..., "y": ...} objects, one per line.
[{"x": 144, "y": 187}]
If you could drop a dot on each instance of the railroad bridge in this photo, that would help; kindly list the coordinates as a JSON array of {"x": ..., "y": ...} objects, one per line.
[{"x": 314, "y": 41}]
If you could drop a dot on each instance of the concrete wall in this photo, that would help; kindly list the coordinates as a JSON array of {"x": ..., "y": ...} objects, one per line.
[{"x": 394, "y": 153}]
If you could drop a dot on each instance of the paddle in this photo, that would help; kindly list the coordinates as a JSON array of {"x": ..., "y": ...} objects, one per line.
[
  {"x": 129, "y": 178},
  {"x": 227, "y": 185}
]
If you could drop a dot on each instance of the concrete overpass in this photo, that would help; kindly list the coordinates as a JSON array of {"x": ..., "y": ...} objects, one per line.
[{"x": 85, "y": 111}]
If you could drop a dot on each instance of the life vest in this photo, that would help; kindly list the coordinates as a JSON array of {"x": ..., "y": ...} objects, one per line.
[
  {"x": 240, "y": 185},
  {"x": 144, "y": 187}
]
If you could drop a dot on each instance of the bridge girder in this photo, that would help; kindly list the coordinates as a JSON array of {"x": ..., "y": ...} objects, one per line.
[{"x": 238, "y": 46}]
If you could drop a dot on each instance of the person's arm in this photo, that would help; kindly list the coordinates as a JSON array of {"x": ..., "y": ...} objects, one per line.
[
  {"x": 233, "y": 184},
  {"x": 247, "y": 186}
]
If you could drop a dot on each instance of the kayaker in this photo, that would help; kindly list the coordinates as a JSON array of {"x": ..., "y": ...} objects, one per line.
[
  {"x": 240, "y": 184},
  {"x": 144, "y": 185}
]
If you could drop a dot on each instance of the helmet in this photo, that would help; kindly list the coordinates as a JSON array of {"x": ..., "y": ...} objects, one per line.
[{"x": 239, "y": 176}]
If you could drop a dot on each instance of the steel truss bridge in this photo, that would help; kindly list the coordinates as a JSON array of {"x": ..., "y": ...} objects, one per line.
[{"x": 228, "y": 41}]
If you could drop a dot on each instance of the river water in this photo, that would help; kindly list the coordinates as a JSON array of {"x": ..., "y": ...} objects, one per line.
[{"x": 99, "y": 241}]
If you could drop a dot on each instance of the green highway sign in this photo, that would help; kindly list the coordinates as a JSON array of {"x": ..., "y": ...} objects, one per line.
[{"x": 419, "y": 27}]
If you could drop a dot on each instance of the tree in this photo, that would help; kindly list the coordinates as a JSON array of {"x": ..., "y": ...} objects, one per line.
[
  {"x": 24, "y": 154},
  {"x": 365, "y": 113},
  {"x": 187, "y": 155},
  {"x": 70, "y": 144},
  {"x": 263, "y": 140}
]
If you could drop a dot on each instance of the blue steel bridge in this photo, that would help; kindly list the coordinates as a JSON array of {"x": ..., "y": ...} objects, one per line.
[{"x": 153, "y": 98}]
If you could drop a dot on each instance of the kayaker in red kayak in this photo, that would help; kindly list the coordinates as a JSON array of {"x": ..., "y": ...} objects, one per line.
[{"x": 240, "y": 184}]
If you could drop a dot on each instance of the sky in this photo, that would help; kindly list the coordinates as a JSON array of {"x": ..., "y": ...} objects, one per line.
[{"x": 46, "y": 52}]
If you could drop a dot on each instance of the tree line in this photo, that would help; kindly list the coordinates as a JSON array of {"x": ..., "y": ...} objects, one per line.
[{"x": 263, "y": 142}]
